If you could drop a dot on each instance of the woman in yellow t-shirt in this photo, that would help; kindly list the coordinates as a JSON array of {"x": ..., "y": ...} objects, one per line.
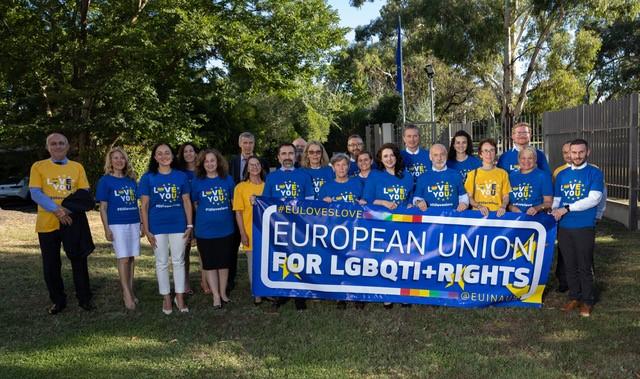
[
  {"x": 244, "y": 195},
  {"x": 488, "y": 186}
]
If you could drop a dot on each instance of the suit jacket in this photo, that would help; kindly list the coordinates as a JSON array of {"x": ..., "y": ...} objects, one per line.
[
  {"x": 76, "y": 238},
  {"x": 234, "y": 167}
]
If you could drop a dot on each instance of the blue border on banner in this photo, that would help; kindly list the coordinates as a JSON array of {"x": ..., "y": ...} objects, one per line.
[{"x": 342, "y": 251}]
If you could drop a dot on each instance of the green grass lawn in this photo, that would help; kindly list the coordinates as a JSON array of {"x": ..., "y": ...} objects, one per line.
[{"x": 246, "y": 341}]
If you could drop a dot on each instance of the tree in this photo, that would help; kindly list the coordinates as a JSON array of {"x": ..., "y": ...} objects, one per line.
[
  {"x": 141, "y": 71},
  {"x": 491, "y": 39}
]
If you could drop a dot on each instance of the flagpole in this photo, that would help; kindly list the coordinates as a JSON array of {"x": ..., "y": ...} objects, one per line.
[{"x": 400, "y": 78}]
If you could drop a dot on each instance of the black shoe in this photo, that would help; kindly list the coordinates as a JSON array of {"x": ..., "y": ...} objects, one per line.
[
  {"x": 562, "y": 289},
  {"x": 388, "y": 306},
  {"x": 301, "y": 305},
  {"x": 88, "y": 306},
  {"x": 275, "y": 306},
  {"x": 342, "y": 305},
  {"x": 55, "y": 309}
]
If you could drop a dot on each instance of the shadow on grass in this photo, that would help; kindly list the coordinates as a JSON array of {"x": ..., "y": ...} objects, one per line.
[{"x": 243, "y": 340}]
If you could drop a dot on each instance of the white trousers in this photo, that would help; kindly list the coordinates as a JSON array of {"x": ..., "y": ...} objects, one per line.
[{"x": 175, "y": 243}]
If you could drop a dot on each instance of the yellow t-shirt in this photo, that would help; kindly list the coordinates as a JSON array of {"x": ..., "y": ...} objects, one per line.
[
  {"x": 241, "y": 202},
  {"x": 491, "y": 186},
  {"x": 559, "y": 169},
  {"x": 57, "y": 182}
]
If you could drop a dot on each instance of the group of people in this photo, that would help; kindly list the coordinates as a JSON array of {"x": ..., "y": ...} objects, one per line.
[{"x": 200, "y": 196}]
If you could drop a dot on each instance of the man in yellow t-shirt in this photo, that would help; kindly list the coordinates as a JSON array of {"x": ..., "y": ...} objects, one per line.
[{"x": 50, "y": 182}]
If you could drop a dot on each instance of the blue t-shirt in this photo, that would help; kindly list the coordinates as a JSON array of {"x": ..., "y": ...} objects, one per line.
[
  {"x": 166, "y": 210},
  {"x": 190, "y": 174},
  {"x": 349, "y": 192},
  {"x": 469, "y": 164},
  {"x": 573, "y": 185},
  {"x": 416, "y": 164},
  {"x": 440, "y": 188},
  {"x": 214, "y": 214},
  {"x": 288, "y": 185},
  {"x": 509, "y": 161},
  {"x": 120, "y": 195},
  {"x": 354, "y": 170},
  {"x": 319, "y": 176},
  {"x": 527, "y": 190},
  {"x": 384, "y": 186}
]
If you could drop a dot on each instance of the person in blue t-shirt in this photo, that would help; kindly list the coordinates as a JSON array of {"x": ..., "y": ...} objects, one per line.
[
  {"x": 288, "y": 183},
  {"x": 521, "y": 137},
  {"x": 212, "y": 193},
  {"x": 578, "y": 191},
  {"x": 364, "y": 160},
  {"x": 531, "y": 188},
  {"x": 120, "y": 216},
  {"x": 166, "y": 220},
  {"x": 343, "y": 188},
  {"x": 186, "y": 159},
  {"x": 393, "y": 184},
  {"x": 461, "y": 156},
  {"x": 440, "y": 187},
  {"x": 416, "y": 160},
  {"x": 315, "y": 162},
  {"x": 355, "y": 144}
]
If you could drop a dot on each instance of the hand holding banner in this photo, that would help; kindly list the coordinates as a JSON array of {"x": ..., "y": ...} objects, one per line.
[{"x": 342, "y": 251}]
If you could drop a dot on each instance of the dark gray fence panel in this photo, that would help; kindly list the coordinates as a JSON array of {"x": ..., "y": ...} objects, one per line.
[{"x": 611, "y": 129}]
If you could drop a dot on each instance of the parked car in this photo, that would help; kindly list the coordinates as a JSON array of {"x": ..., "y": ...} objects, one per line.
[{"x": 14, "y": 187}]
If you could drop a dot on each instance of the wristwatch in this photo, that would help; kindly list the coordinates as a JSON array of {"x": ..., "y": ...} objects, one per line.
[{"x": 567, "y": 208}]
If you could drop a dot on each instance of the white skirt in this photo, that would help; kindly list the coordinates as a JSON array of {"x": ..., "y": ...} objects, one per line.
[{"x": 126, "y": 240}]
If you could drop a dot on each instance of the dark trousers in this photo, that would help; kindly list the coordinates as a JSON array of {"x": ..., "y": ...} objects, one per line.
[
  {"x": 50, "y": 244},
  {"x": 576, "y": 247},
  {"x": 561, "y": 273}
]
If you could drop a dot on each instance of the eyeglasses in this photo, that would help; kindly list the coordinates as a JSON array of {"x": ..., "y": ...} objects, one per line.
[
  {"x": 488, "y": 150},
  {"x": 355, "y": 144},
  {"x": 314, "y": 152}
]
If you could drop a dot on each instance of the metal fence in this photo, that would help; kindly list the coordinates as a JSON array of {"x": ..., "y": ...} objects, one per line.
[
  {"x": 611, "y": 129},
  {"x": 431, "y": 133}
]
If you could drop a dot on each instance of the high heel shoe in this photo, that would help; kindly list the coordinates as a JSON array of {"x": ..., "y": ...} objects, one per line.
[
  {"x": 167, "y": 311},
  {"x": 182, "y": 310}
]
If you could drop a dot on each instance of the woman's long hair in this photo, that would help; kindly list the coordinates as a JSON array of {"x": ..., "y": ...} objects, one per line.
[
  {"x": 245, "y": 171},
  {"x": 452, "y": 151},
  {"x": 222, "y": 167},
  {"x": 153, "y": 165},
  {"x": 324, "y": 160},
  {"x": 398, "y": 169},
  {"x": 108, "y": 166},
  {"x": 181, "y": 164}
]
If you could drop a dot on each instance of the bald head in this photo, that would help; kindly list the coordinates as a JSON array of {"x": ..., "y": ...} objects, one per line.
[{"x": 438, "y": 156}]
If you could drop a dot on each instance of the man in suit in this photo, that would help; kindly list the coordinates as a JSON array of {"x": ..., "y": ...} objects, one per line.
[{"x": 247, "y": 143}]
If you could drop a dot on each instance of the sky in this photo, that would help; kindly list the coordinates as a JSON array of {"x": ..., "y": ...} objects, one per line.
[{"x": 352, "y": 16}]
